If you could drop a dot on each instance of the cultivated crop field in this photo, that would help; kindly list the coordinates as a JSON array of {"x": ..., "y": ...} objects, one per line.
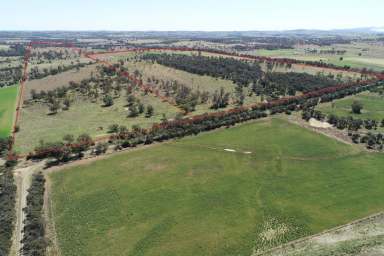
[
  {"x": 7, "y": 109},
  {"x": 373, "y": 106},
  {"x": 232, "y": 192}
]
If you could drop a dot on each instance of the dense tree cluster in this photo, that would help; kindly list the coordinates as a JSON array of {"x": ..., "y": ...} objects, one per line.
[
  {"x": 34, "y": 241},
  {"x": 356, "y": 107},
  {"x": 220, "y": 99},
  {"x": 14, "y": 50},
  {"x": 7, "y": 209},
  {"x": 185, "y": 97},
  {"x": 239, "y": 72},
  {"x": 5, "y": 145},
  {"x": 49, "y": 55},
  {"x": 10, "y": 76},
  {"x": 275, "y": 83},
  {"x": 327, "y": 52},
  {"x": 272, "y": 84},
  {"x": 327, "y": 41},
  {"x": 373, "y": 141}
]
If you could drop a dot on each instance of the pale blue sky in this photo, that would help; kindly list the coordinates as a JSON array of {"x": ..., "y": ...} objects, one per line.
[{"x": 189, "y": 15}]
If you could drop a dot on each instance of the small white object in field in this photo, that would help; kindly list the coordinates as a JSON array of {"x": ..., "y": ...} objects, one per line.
[
  {"x": 229, "y": 150},
  {"x": 247, "y": 152},
  {"x": 318, "y": 124}
]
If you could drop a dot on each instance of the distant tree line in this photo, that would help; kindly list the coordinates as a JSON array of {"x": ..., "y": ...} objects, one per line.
[
  {"x": 327, "y": 52},
  {"x": 14, "y": 50},
  {"x": 53, "y": 55},
  {"x": 36, "y": 73}
]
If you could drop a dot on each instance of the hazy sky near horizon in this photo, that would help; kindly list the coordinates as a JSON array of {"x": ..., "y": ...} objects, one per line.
[{"x": 206, "y": 15}]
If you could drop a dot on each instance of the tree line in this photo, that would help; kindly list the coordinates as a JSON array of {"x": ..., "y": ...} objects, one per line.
[
  {"x": 37, "y": 73},
  {"x": 52, "y": 55},
  {"x": 5, "y": 145},
  {"x": 34, "y": 242},
  {"x": 63, "y": 151},
  {"x": 7, "y": 208}
]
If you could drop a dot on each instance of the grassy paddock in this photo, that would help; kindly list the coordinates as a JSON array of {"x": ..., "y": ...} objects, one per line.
[
  {"x": 373, "y": 106},
  {"x": 82, "y": 117},
  {"x": 8, "y": 98},
  {"x": 62, "y": 79},
  {"x": 191, "y": 197}
]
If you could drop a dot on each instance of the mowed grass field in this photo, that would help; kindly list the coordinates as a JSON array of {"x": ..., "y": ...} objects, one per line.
[
  {"x": 191, "y": 197},
  {"x": 8, "y": 98},
  {"x": 373, "y": 106}
]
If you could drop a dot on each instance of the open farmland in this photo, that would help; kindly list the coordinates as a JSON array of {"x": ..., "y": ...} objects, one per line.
[
  {"x": 8, "y": 97},
  {"x": 373, "y": 106},
  {"x": 357, "y": 55},
  {"x": 231, "y": 192}
]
